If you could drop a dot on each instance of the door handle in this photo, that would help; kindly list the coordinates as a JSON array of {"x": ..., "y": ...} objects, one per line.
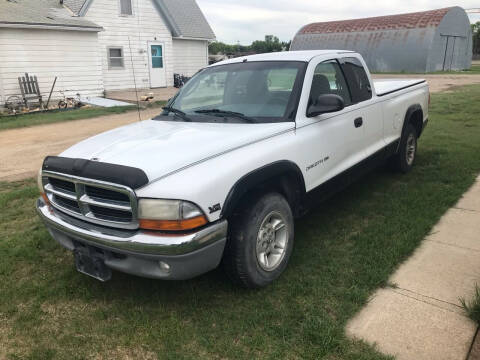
[{"x": 358, "y": 122}]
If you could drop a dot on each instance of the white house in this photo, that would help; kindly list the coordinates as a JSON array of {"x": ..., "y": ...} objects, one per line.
[{"x": 94, "y": 46}]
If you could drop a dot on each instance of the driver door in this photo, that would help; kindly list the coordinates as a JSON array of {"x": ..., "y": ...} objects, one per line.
[{"x": 331, "y": 143}]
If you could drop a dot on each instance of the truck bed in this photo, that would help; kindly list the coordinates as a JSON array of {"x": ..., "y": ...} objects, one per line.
[{"x": 388, "y": 86}]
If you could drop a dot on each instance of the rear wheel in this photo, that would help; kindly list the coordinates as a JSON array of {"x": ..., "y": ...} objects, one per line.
[
  {"x": 405, "y": 158},
  {"x": 260, "y": 241}
]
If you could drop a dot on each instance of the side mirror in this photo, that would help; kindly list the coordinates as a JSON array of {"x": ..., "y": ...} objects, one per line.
[{"x": 324, "y": 104}]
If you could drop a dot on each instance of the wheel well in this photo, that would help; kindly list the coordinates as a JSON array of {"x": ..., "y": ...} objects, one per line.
[
  {"x": 286, "y": 180},
  {"x": 416, "y": 119},
  {"x": 414, "y": 116}
]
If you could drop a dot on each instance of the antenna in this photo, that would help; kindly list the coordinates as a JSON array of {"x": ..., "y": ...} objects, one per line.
[{"x": 134, "y": 79}]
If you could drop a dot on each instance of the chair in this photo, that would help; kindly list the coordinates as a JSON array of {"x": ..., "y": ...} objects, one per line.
[{"x": 30, "y": 90}]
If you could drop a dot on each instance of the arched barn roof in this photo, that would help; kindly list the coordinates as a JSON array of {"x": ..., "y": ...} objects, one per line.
[
  {"x": 391, "y": 22},
  {"x": 417, "y": 42}
]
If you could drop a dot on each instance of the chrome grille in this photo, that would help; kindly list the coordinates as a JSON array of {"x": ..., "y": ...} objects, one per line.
[{"x": 95, "y": 201}]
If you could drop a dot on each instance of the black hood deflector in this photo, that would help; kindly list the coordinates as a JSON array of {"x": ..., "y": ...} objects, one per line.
[{"x": 118, "y": 174}]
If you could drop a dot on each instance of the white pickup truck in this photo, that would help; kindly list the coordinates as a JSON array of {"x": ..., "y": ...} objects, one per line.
[{"x": 220, "y": 175}]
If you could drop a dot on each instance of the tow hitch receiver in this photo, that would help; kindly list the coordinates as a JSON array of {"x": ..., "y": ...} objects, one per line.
[{"x": 91, "y": 265}]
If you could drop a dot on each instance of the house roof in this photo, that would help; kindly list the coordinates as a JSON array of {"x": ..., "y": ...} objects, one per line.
[
  {"x": 183, "y": 17},
  {"x": 393, "y": 22},
  {"x": 75, "y": 5},
  {"x": 41, "y": 14}
]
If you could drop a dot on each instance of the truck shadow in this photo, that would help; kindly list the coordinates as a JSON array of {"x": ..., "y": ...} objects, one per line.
[{"x": 318, "y": 229}]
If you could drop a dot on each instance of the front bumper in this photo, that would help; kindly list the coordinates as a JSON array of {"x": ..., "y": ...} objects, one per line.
[{"x": 140, "y": 252}]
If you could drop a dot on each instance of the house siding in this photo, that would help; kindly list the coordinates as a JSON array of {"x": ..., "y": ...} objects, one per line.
[
  {"x": 145, "y": 25},
  {"x": 2, "y": 93},
  {"x": 72, "y": 56},
  {"x": 189, "y": 56}
]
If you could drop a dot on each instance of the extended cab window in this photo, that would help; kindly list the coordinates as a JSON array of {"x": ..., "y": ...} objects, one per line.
[
  {"x": 328, "y": 79},
  {"x": 357, "y": 79}
]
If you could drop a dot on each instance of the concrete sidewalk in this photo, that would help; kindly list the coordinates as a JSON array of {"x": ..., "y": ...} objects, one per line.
[{"x": 421, "y": 317}]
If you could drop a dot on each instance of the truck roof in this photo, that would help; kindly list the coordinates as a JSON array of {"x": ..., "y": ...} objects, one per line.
[{"x": 305, "y": 56}]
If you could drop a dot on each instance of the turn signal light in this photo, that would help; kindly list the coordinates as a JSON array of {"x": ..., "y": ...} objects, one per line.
[
  {"x": 173, "y": 225},
  {"x": 45, "y": 198}
]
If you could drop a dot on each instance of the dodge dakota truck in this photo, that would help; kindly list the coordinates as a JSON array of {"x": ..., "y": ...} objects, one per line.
[{"x": 244, "y": 148}]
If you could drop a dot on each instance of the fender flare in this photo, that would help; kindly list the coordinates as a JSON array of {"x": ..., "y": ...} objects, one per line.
[
  {"x": 260, "y": 176},
  {"x": 412, "y": 109}
]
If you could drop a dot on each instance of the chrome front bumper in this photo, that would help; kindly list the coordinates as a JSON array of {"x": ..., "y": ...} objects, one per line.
[{"x": 141, "y": 252}]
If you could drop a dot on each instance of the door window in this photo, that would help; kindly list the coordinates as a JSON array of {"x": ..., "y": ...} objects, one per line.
[
  {"x": 357, "y": 79},
  {"x": 328, "y": 79},
  {"x": 157, "y": 56}
]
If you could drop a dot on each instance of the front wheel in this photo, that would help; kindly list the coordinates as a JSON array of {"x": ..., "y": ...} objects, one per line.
[
  {"x": 405, "y": 158},
  {"x": 260, "y": 241}
]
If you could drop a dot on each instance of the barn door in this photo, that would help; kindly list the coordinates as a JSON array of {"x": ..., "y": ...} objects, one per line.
[
  {"x": 449, "y": 52},
  {"x": 156, "y": 61}
]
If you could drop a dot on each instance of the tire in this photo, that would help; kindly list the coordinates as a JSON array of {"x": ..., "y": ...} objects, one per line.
[
  {"x": 404, "y": 160},
  {"x": 253, "y": 255}
]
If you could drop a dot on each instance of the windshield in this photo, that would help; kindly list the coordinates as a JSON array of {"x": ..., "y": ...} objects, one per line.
[{"x": 255, "y": 92}]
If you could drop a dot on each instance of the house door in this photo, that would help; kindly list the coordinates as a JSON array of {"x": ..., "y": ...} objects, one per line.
[{"x": 158, "y": 77}]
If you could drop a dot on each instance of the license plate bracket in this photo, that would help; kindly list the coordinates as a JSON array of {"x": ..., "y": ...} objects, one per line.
[{"x": 91, "y": 265}]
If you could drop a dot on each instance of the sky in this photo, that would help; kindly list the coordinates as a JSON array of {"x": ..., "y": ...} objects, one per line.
[{"x": 243, "y": 21}]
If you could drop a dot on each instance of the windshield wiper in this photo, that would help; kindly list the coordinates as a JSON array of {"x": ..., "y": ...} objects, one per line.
[
  {"x": 177, "y": 112},
  {"x": 227, "y": 113}
]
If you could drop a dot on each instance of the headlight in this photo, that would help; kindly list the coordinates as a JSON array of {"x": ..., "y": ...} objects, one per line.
[{"x": 170, "y": 215}]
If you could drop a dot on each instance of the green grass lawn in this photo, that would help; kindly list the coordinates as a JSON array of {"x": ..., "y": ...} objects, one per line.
[
  {"x": 54, "y": 116},
  {"x": 344, "y": 250}
]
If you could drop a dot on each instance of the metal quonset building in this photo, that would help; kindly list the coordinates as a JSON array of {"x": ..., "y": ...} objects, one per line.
[{"x": 418, "y": 42}]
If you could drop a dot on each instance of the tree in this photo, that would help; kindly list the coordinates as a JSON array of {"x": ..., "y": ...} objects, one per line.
[
  {"x": 476, "y": 37},
  {"x": 270, "y": 44}
]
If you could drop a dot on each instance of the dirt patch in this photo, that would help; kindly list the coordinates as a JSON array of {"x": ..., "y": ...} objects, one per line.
[
  {"x": 437, "y": 83},
  {"x": 9, "y": 342},
  {"x": 124, "y": 353},
  {"x": 5, "y": 345},
  {"x": 23, "y": 150},
  {"x": 475, "y": 350}
]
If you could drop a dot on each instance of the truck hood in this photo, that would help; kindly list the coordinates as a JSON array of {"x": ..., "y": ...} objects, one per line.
[{"x": 160, "y": 148}]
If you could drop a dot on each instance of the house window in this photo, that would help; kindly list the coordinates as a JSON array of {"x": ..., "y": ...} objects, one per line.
[
  {"x": 115, "y": 58},
  {"x": 126, "y": 8}
]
